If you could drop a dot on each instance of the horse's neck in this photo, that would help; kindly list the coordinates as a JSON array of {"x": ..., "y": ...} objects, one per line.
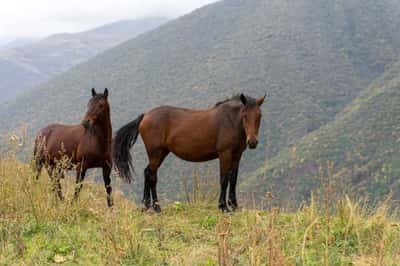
[{"x": 231, "y": 111}]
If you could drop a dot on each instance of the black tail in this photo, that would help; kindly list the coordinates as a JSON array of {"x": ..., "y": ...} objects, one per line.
[{"x": 123, "y": 142}]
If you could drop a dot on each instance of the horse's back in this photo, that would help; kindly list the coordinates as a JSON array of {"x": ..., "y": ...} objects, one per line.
[
  {"x": 189, "y": 134},
  {"x": 60, "y": 131},
  {"x": 168, "y": 119}
]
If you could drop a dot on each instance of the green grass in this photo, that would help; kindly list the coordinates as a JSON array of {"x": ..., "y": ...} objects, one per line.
[{"x": 35, "y": 229}]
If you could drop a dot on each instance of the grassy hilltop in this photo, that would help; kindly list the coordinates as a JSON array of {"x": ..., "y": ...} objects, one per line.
[{"x": 37, "y": 230}]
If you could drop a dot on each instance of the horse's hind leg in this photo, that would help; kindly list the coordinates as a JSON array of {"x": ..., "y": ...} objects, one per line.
[
  {"x": 80, "y": 175},
  {"x": 58, "y": 184},
  {"x": 146, "y": 191},
  {"x": 153, "y": 187},
  {"x": 156, "y": 157},
  {"x": 38, "y": 158},
  {"x": 38, "y": 167},
  {"x": 107, "y": 184},
  {"x": 55, "y": 175}
]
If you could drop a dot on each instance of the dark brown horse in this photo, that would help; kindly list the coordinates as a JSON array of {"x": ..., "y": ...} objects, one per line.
[
  {"x": 79, "y": 147},
  {"x": 221, "y": 132}
]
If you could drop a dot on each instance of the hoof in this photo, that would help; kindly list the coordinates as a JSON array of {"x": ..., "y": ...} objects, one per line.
[
  {"x": 234, "y": 206},
  {"x": 146, "y": 204},
  {"x": 156, "y": 207},
  {"x": 110, "y": 203},
  {"x": 224, "y": 209}
]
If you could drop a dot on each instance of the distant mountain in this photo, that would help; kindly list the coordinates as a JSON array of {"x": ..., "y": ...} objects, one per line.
[
  {"x": 3, "y": 41},
  {"x": 24, "y": 66},
  {"x": 313, "y": 58},
  {"x": 17, "y": 42}
]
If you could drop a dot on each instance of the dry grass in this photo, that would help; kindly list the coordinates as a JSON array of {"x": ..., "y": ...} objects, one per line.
[{"x": 36, "y": 229}]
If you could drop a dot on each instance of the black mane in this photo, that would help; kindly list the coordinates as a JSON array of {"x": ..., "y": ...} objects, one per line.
[{"x": 250, "y": 101}]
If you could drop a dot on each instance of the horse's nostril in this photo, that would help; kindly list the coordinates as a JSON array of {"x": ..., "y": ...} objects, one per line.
[{"x": 252, "y": 144}]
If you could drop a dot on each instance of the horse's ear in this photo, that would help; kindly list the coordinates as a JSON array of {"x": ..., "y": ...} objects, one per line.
[
  {"x": 260, "y": 101},
  {"x": 94, "y": 92},
  {"x": 243, "y": 99},
  {"x": 106, "y": 92}
]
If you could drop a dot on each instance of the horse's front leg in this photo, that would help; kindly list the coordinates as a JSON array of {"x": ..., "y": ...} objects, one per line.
[
  {"x": 107, "y": 185},
  {"x": 226, "y": 170},
  {"x": 232, "y": 202}
]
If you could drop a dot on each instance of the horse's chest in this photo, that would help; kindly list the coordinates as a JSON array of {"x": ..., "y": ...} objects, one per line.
[{"x": 92, "y": 153}]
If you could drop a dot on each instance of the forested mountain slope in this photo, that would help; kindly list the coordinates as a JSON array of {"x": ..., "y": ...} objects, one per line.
[{"x": 363, "y": 145}]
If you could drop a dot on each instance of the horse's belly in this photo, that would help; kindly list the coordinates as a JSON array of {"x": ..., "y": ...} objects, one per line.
[
  {"x": 192, "y": 147},
  {"x": 195, "y": 156}
]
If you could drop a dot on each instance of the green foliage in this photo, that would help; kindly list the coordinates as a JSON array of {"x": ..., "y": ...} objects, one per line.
[{"x": 209, "y": 222}]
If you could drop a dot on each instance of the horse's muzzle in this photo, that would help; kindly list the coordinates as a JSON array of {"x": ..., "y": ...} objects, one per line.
[{"x": 252, "y": 143}]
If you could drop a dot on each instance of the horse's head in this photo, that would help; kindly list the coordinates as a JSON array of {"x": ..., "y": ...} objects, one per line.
[
  {"x": 251, "y": 118},
  {"x": 98, "y": 107}
]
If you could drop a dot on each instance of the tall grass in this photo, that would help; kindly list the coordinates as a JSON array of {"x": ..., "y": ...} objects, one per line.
[{"x": 37, "y": 229}]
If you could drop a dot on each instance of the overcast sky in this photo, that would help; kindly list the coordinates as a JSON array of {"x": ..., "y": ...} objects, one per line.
[{"x": 38, "y": 18}]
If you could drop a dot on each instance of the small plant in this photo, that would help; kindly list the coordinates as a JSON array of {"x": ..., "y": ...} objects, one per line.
[{"x": 209, "y": 222}]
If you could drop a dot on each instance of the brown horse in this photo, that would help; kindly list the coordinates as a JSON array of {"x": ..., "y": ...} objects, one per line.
[
  {"x": 221, "y": 132},
  {"x": 80, "y": 147}
]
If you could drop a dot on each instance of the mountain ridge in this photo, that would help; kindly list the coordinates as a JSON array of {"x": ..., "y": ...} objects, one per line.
[{"x": 25, "y": 66}]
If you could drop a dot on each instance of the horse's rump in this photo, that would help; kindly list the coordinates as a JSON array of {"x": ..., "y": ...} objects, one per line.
[{"x": 58, "y": 142}]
